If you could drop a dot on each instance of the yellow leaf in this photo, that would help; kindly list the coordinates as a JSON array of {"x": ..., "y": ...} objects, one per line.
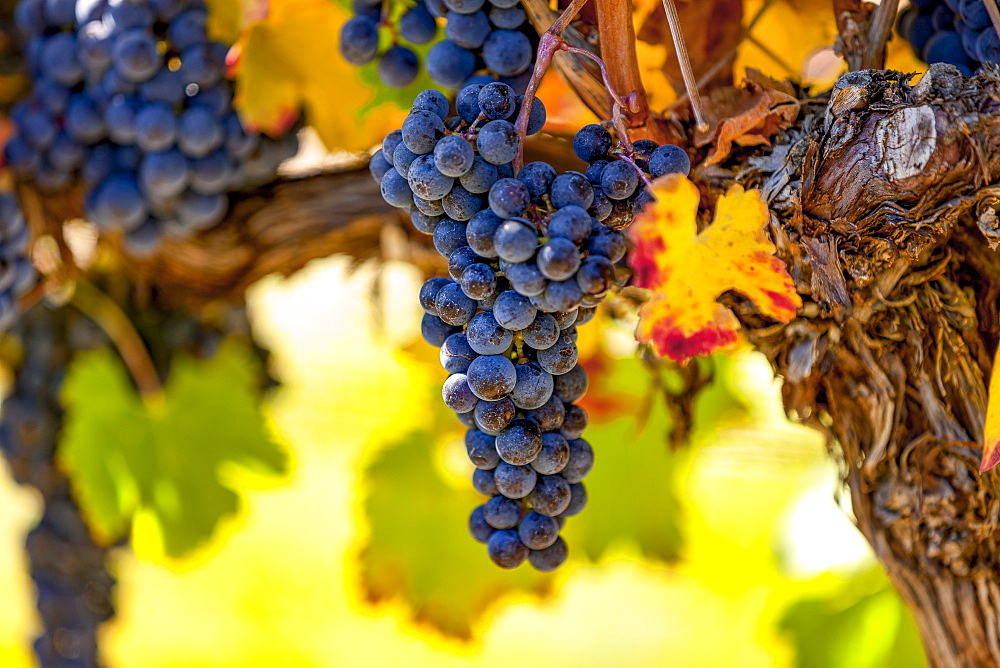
[
  {"x": 688, "y": 271},
  {"x": 289, "y": 59},
  {"x": 991, "y": 432}
]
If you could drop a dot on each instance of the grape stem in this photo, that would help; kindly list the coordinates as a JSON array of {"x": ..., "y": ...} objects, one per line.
[
  {"x": 690, "y": 83},
  {"x": 619, "y": 105},
  {"x": 994, "y": 12},
  {"x": 549, "y": 44},
  {"x": 100, "y": 308}
]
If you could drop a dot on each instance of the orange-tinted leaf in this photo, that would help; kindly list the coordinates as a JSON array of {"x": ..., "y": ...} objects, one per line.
[
  {"x": 747, "y": 116},
  {"x": 687, "y": 270},
  {"x": 991, "y": 432}
]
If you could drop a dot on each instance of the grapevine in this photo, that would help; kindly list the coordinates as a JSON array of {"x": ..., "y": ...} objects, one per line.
[{"x": 162, "y": 156}]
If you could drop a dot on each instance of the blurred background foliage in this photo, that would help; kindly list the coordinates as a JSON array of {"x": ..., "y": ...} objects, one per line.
[{"x": 732, "y": 551}]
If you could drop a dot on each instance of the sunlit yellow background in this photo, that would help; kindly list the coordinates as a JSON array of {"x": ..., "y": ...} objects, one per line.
[{"x": 281, "y": 588}]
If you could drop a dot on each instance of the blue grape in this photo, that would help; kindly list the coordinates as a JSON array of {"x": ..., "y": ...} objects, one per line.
[
  {"x": 398, "y": 67},
  {"x": 572, "y": 385},
  {"x": 537, "y": 532},
  {"x": 395, "y": 190},
  {"x": 478, "y": 527},
  {"x": 448, "y": 235},
  {"x": 550, "y": 416},
  {"x": 509, "y": 198},
  {"x": 507, "y": 52},
  {"x": 486, "y": 336},
  {"x": 449, "y": 64},
  {"x": 533, "y": 387},
  {"x": 559, "y": 358},
  {"x": 453, "y": 306},
  {"x": 513, "y": 311},
  {"x": 501, "y": 512},
  {"x": 457, "y": 395},
  {"x": 118, "y": 203},
  {"x": 498, "y": 142},
  {"x": 435, "y": 330},
  {"x": 494, "y": 416},
  {"x": 537, "y": 177},
  {"x": 199, "y": 132},
  {"x": 525, "y": 278},
  {"x": 542, "y": 333},
  {"x": 417, "y": 25},
  {"x": 491, "y": 377},
  {"x": 199, "y": 212},
  {"x": 430, "y": 100},
  {"x": 553, "y": 456},
  {"x": 581, "y": 461},
  {"x": 513, "y": 481},
  {"x": 480, "y": 177},
  {"x": 482, "y": 482},
  {"x": 135, "y": 56},
  {"x": 460, "y": 204},
  {"x": 577, "y": 499},
  {"x": 481, "y": 448},
  {"x": 619, "y": 180},
  {"x": 591, "y": 143},
  {"x": 571, "y": 188},
  {"x": 545, "y": 560},
  {"x": 453, "y": 156},
  {"x": 163, "y": 174},
  {"x": 468, "y": 31},
  {"x": 558, "y": 259},
  {"x": 402, "y": 158},
  {"x": 519, "y": 442},
  {"x": 669, "y": 159},
  {"x": 515, "y": 240}
]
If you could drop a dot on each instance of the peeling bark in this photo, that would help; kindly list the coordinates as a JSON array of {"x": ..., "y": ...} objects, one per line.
[{"x": 887, "y": 220}]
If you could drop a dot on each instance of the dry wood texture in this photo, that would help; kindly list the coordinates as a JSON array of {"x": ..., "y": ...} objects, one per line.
[{"x": 887, "y": 219}]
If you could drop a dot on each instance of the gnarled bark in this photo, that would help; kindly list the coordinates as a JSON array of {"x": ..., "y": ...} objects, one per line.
[{"x": 887, "y": 220}]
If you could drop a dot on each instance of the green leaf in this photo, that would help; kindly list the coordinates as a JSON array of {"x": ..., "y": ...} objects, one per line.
[
  {"x": 632, "y": 494},
  {"x": 861, "y": 623},
  {"x": 162, "y": 467},
  {"x": 419, "y": 548}
]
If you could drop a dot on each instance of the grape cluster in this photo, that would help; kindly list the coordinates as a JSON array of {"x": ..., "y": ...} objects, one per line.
[
  {"x": 485, "y": 40},
  {"x": 17, "y": 274},
  {"x": 131, "y": 96},
  {"x": 958, "y": 32},
  {"x": 73, "y": 585},
  {"x": 528, "y": 260}
]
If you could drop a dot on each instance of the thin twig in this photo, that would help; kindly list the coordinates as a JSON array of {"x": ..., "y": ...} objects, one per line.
[
  {"x": 674, "y": 21},
  {"x": 100, "y": 308},
  {"x": 617, "y": 99},
  {"x": 548, "y": 44},
  {"x": 714, "y": 70},
  {"x": 994, "y": 12}
]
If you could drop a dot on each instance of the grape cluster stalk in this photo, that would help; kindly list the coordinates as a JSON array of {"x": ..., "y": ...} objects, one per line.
[
  {"x": 131, "y": 98},
  {"x": 485, "y": 41},
  {"x": 530, "y": 256}
]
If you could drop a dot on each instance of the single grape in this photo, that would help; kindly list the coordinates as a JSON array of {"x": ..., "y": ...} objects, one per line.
[
  {"x": 513, "y": 311},
  {"x": 486, "y": 336},
  {"x": 669, "y": 159},
  {"x": 533, "y": 387},
  {"x": 537, "y": 531},
  {"x": 591, "y": 143},
  {"x": 482, "y": 482},
  {"x": 515, "y": 240},
  {"x": 491, "y": 377},
  {"x": 456, "y": 354},
  {"x": 553, "y": 456},
  {"x": 505, "y": 548},
  {"x": 481, "y": 448},
  {"x": 581, "y": 460},
  {"x": 457, "y": 395},
  {"x": 398, "y": 67},
  {"x": 514, "y": 482},
  {"x": 498, "y": 141},
  {"x": 501, "y": 512},
  {"x": 550, "y": 496},
  {"x": 494, "y": 416},
  {"x": 478, "y": 527},
  {"x": 550, "y": 558}
]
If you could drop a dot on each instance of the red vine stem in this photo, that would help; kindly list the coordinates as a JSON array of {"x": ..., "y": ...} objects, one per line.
[
  {"x": 617, "y": 47},
  {"x": 991, "y": 9},
  {"x": 548, "y": 45},
  {"x": 690, "y": 83}
]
